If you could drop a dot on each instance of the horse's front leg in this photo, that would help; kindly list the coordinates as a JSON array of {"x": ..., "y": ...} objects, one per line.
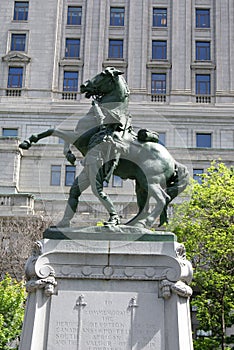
[{"x": 26, "y": 144}]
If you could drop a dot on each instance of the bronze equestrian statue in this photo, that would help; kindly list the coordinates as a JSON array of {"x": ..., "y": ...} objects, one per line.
[{"x": 109, "y": 145}]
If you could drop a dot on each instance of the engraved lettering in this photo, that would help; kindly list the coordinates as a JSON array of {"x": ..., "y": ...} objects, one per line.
[{"x": 106, "y": 325}]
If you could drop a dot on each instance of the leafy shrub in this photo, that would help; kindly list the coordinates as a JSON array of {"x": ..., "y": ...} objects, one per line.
[{"x": 12, "y": 297}]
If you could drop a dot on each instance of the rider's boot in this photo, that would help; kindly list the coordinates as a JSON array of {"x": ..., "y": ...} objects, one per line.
[
  {"x": 114, "y": 220},
  {"x": 65, "y": 222},
  {"x": 68, "y": 215}
]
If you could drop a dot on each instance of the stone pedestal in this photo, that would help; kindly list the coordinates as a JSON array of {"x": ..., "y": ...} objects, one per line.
[{"x": 103, "y": 289}]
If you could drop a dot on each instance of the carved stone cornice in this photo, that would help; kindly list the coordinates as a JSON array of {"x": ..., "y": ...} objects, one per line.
[
  {"x": 15, "y": 56},
  {"x": 159, "y": 64},
  {"x": 129, "y": 253},
  {"x": 207, "y": 65},
  {"x": 71, "y": 63},
  {"x": 118, "y": 63}
]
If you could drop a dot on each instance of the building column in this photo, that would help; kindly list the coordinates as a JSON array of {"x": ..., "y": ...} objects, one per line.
[
  {"x": 94, "y": 44},
  {"x": 222, "y": 19},
  {"x": 138, "y": 45},
  {"x": 181, "y": 48}
]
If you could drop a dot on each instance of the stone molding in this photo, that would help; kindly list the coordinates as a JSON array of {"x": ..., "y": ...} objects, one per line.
[
  {"x": 203, "y": 65},
  {"x": 71, "y": 62},
  {"x": 166, "y": 263},
  {"x": 165, "y": 64},
  {"x": 15, "y": 56}
]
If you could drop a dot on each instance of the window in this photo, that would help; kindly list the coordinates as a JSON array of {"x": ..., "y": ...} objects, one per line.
[
  {"x": 162, "y": 138},
  {"x": 115, "y": 48},
  {"x": 55, "y": 175},
  {"x": 15, "y": 77},
  {"x": 202, "y": 84},
  {"x": 202, "y": 50},
  {"x": 117, "y": 16},
  {"x": 202, "y": 18},
  {"x": 74, "y": 14},
  {"x": 72, "y": 48},
  {"x": 117, "y": 181},
  {"x": 158, "y": 83},
  {"x": 18, "y": 42},
  {"x": 203, "y": 140},
  {"x": 70, "y": 81},
  {"x": 159, "y": 17},
  {"x": 21, "y": 11},
  {"x": 9, "y": 132},
  {"x": 197, "y": 175},
  {"x": 159, "y": 50},
  {"x": 70, "y": 173}
]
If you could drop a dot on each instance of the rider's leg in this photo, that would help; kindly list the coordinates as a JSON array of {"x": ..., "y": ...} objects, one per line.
[
  {"x": 80, "y": 184},
  {"x": 96, "y": 177}
]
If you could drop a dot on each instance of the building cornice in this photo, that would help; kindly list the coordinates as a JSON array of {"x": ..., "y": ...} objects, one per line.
[
  {"x": 203, "y": 65},
  {"x": 70, "y": 62},
  {"x": 15, "y": 56}
]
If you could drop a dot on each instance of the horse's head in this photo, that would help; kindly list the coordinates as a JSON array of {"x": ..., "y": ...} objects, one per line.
[{"x": 105, "y": 83}]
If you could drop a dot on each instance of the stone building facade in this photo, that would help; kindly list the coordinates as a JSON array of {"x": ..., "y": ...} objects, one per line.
[{"x": 178, "y": 60}]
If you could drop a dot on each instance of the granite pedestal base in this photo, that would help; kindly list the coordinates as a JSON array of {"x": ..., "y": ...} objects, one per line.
[{"x": 103, "y": 289}]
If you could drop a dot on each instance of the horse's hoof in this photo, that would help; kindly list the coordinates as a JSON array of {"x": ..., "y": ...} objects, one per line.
[
  {"x": 25, "y": 145},
  {"x": 113, "y": 220}
]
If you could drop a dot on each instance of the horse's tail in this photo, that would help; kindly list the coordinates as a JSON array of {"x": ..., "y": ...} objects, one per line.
[{"x": 179, "y": 181}]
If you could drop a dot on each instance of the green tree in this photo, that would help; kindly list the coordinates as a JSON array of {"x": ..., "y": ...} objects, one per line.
[
  {"x": 206, "y": 225},
  {"x": 12, "y": 297}
]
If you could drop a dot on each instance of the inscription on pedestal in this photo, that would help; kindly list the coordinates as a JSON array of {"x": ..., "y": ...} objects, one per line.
[
  {"x": 106, "y": 321},
  {"x": 66, "y": 334}
]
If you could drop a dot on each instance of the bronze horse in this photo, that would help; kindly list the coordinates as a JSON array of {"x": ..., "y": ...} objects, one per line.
[{"x": 156, "y": 173}]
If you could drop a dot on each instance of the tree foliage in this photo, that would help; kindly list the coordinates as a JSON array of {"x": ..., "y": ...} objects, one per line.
[
  {"x": 12, "y": 296},
  {"x": 206, "y": 225}
]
